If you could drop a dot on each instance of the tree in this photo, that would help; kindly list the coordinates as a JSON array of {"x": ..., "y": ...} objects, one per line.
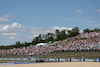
[
  {"x": 36, "y": 40},
  {"x": 58, "y": 34},
  {"x": 73, "y": 32},
  {"x": 40, "y": 37},
  {"x": 96, "y": 30},
  {"x": 86, "y": 30},
  {"x": 18, "y": 44},
  {"x": 49, "y": 37},
  {"x": 63, "y": 34}
]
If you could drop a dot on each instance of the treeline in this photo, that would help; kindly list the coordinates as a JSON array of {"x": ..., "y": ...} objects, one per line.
[
  {"x": 94, "y": 30},
  {"x": 44, "y": 38}
]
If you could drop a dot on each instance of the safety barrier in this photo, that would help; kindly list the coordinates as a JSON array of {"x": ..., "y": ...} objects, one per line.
[
  {"x": 97, "y": 60},
  {"x": 52, "y": 59}
]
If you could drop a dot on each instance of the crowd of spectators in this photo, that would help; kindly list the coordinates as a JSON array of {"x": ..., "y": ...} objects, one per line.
[
  {"x": 87, "y": 35},
  {"x": 85, "y": 41}
]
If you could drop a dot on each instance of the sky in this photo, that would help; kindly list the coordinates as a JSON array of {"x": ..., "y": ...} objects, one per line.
[{"x": 22, "y": 20}]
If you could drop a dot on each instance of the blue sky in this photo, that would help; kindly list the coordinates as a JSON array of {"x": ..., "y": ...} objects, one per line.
[{"x": 22, "y": 20}]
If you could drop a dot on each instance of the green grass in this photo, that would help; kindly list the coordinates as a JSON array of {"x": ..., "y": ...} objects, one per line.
[
  {"x": 62, "y": 55},
  {"x": 15, "y": 56},
  {"x": 73, "y": 54}
]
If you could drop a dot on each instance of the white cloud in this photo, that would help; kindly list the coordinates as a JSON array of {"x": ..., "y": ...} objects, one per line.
[
  {"x": 17, "y": 37},
  {"x": 36, "y": 31},
  {"x": 81, "y": 31},
  {"x": 12, "y": 28},
  {"x": 35, "y": 35},
  {"x": 16, "y": 25},
  {"x": 9, "y": 33},
  {"x": 79, "y": 11},
  {"x": 69, "y": 28},
  {"x": 6, "y": 18},
  {"x": 11, "y": 37},
  {"x": 5, "y": 27},
  {"x": 61, "y": 28},
  {"x": 98, "y": 10},
  {"x": 29, "y": 37}
]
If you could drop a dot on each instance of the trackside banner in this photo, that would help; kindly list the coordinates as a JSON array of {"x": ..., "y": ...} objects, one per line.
[
  {"x": 97, "y": 60},
  {"x": 89, "y": 60},
  {"x": 51, "y": 59},
  {"x": 81, "y": 59},
  {"x": 11, "y": 58},
  {"x": 24, "y": 58},
  {"x": 32, "y": 58},
  {"x": 74, "y": 59},
  {"x": 60, "y": 59},
  {"x": 46, "y": 59},
  {"x": 68, "y": 59},
  {"x": 17, "y": 58},
  {"x": 54, "y": 59}
]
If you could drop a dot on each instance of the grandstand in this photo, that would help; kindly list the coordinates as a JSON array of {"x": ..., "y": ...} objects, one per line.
[{"x": 85, "y": 45}]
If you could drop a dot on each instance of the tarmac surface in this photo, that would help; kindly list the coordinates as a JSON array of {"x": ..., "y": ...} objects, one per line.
[{"x": 53, "y": 64}]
